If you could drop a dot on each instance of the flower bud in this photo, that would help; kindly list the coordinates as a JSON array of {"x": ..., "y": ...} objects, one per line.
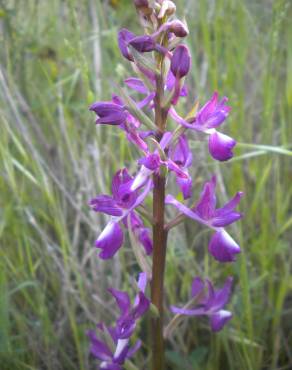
[
  {"x": 180, "y": 61},
  {"x": 178, "y": 28},
  {"x": 143, "y": 7},
  {"x": 143, "y": 43},
  {"x": 109, "y": 113},
  {"x": 124, "y": 36},
  {"x": 167, "y": 8}
]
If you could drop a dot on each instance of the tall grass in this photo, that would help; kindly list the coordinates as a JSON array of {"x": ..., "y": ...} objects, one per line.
[{"x": 56, "y": 58}]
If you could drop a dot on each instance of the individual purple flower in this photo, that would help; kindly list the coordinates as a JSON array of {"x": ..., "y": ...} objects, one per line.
[
  {"x": 109, "y": 113},
  {"x": 115, "y": 349},
  {"x": 112, "y": 355},
  {"x": 122, "y": 203},
  {"x": 222, "y": 247},
  {"x": 209, "y": 117},
  {"x": 211, "y": 304},
  {"x": 130, "y": 313}
]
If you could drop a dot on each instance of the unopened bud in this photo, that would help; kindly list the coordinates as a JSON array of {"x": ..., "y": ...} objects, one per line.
[
  {"x": 178, "y": 28},
  {"x": 143, "y": 43},
  {"x": 180, "y": 61},
  {"x": 167, "y": 8},
  {"x": 143, "y": 7}
]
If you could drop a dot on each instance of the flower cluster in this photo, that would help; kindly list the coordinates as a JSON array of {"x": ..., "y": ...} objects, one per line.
[{"x": 148, "y": 115}]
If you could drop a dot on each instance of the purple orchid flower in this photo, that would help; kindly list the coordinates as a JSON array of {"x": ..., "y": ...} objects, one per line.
[
  {"x": 119, "y": 206},
  {"x": 113, "y": 355},
  {"x": 209, "y": 117},
  {"x": 211, "y": 305},
  {"x": 129, "y": 314},
  {"x": 222, "y": 247}
]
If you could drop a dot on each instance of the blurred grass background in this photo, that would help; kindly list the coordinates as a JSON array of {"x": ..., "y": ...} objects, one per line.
[{"x": 56, "y": 58}]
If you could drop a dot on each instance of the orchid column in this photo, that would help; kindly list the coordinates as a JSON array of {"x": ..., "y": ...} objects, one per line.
[{"x": 158, "y": 131}]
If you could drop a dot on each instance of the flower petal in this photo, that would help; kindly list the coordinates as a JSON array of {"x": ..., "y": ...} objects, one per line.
[
  {"x": 110, "y": 240},
  {"x": 185, "y": 186},
  {"x": 124, "y": 36},
  {"x": 220, "y": 146},
  {"x": 122, "y": 299},
  {"x": 219, "y": 298},
  {"x": 207, "y": 202},
  {"x": 105, "y": 204},
  {"x": 136, "y": 84},
  {"x": 145, "y": 239},
  {"x": 141, "y": 305},
  {"x": 97, "y": 348},
  {"x": 197, "y": 286},
  {"x": 222, "y": 247},
  {"x": 219, "y": 319}
]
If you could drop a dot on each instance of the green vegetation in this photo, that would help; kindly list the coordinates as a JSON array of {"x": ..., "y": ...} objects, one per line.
[{"x": 56, "y": 58}]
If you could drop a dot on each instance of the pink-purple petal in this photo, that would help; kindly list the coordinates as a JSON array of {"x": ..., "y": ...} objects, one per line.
[
  {"x": 105, "y": 204},
  {"x": 220, "y": 146},
  {"x": 219, "y": 319},
  {"x": 110, "y": 240},
  {"x": 222, "y": 247}
]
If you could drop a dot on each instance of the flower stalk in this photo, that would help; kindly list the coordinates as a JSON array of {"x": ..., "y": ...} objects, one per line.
[{"x": 162, "y": 63}]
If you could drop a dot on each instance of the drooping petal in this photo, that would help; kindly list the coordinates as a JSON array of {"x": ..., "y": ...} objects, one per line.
[
  {"x": 110, "y": 240},
  {"x": 222, "y": 247},
  {"x": 219, "y": 319},
  {"x": 220, "y": 146},
  {"x": 122, "y": 299},
  {"x": 105, "y": 204}
]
